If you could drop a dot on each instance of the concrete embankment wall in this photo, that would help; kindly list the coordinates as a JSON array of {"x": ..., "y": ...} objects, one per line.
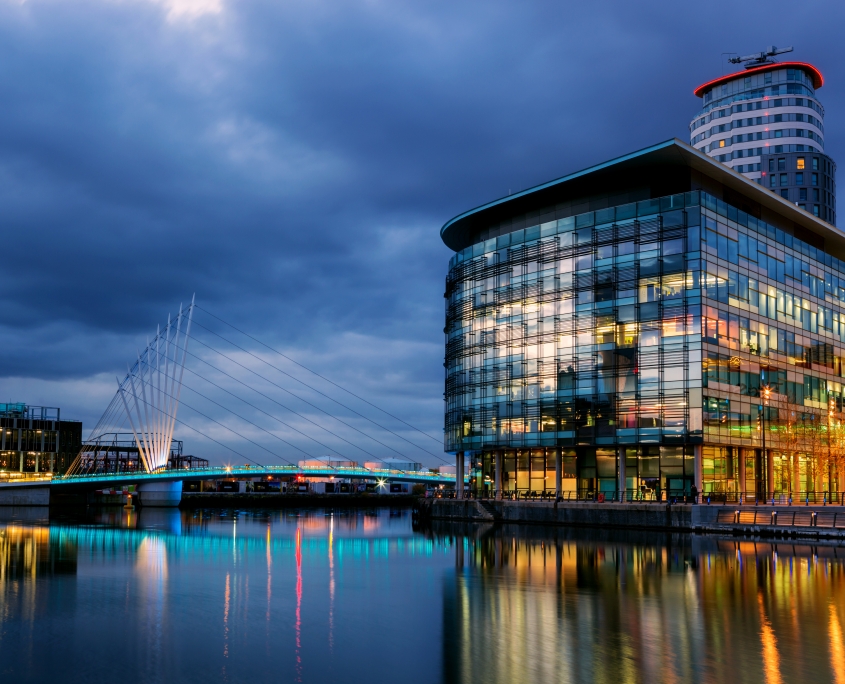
[
  {"x": 25, "y": 496},
  {"x": 275, "y": 500},
  {"x": 652, "y": 516},
  {"x": 647, "y": 516}
]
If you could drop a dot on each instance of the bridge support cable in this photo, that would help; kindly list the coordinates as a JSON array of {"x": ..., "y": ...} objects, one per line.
[
  {"x": 111, "y": 414},
  {"x": 293, "y": 394},
  {"x": 246, "y": 420},
  {"x": 270, "y": 415},
  {"x": 322, "y": 377},
  {"x": 287, "y": 408}
]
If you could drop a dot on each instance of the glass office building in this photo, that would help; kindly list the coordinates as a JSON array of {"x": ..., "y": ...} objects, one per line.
[{"x": 651, "y": 324}]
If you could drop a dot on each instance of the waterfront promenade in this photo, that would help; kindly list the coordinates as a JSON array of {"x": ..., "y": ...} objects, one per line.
[{"x": 812, "y": 521}]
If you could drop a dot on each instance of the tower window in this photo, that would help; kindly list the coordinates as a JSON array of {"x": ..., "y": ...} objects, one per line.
[
  {"x": 799, "y": 178},
  {"x": 815, "y": 163},
  {"x": 802, "y": 194},
  {"x": 784, "y": 179},
  {"x": 784, "y": 194},
  {"x": 799, "y": 163},
  {"x": 781, "y": 164}
]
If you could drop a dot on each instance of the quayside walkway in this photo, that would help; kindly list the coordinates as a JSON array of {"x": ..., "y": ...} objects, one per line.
[{"x": 803, "y": 520}]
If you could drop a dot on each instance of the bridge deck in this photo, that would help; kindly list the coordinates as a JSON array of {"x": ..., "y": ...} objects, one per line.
[{"x": 113, "y": 479}]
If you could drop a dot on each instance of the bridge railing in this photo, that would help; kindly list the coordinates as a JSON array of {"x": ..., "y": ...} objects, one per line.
[
  {"x": 672, "y": 496},
  {"x": 257, "y": 471}
]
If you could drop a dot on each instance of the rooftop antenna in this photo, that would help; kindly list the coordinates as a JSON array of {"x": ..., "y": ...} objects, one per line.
[{"x": 760, "y": 58}]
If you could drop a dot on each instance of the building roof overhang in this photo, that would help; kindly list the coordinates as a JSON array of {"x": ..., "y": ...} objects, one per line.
[
  {"x": 672, "y": 157},
  {"x": 818, "y": 79}
]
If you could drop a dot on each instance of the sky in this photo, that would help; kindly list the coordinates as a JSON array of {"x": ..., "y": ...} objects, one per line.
[{"x": 291, "y": 163}]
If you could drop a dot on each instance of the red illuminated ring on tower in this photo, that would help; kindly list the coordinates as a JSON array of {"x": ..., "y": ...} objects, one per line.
[{"x": 818, "y": 79}]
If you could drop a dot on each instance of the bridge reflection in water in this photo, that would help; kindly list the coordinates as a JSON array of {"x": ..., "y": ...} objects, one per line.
[{"x": 540, "y": 605}]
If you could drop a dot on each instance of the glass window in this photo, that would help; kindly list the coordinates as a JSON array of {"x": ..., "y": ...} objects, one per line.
[
  {"x": 815, "y": 209},
  {"x": 815, "y": 163},
  {"x": 799, "y": 179},
  {"x": 781, "y": 164},
  {"x": 815, "y": 195},
  {"x": 773, "y": 181},
  {"x": 721, "y": 143},
  {"x": 771, "y": 164},
  {"x": 799, "y": 163},
  {"x": 814, "y": 179},
  {"x": 784, "y": 194},
  {"x": 802, "y": 194},
  {"x": 784, "y": 179}
]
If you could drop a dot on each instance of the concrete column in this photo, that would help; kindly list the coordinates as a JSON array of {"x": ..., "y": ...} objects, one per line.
[
  {"x": 696, "y": 468},
  {"x": 500, "y": 455},
  {"x": 459, "y": 474},
  {"x": 796, "y": 477},
  {"x": 622, "y": 486},
  {"x": 160, "y": 494},
  {"x": 37, "y": 461},
  {"x": 558, "y": 471},
  {"x": 741, "y": 471}
]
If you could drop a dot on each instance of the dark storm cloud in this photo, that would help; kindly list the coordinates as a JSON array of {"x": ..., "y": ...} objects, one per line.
[{"x": 292, "y": 163}]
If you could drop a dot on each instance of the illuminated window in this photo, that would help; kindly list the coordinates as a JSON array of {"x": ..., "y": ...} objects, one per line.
[
  {"x": 721, "y": 143},
  {"x": 799, "y": 163}
]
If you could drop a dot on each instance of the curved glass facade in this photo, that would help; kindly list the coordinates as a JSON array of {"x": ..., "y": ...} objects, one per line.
[
  {"x": 581, "y": 331},
  {"x": 631, "y": 347}
]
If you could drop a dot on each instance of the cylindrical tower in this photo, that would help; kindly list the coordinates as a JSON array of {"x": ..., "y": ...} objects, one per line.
[{"x": 766, "y": 123}]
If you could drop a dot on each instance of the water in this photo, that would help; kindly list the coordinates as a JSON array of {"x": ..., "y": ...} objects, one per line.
[{"x": 318, "y": 596}]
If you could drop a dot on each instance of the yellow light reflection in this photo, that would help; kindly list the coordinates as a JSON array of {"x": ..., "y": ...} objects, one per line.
[{"x": 771, "y": 657}]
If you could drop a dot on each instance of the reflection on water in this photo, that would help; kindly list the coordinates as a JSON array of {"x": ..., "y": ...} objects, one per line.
[
  {"x": 544, "y": 605},
  {"x": 319, "y": 596}
]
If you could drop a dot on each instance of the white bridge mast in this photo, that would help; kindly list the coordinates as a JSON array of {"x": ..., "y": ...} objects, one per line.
[{"x": 151, "y": 389}]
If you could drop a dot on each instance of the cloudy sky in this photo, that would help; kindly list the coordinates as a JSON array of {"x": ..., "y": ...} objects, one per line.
[{"x": 292, "y": 163}]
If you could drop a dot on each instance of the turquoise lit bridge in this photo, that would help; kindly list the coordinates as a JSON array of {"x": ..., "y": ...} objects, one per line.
[{"x": 105, "y": 480}]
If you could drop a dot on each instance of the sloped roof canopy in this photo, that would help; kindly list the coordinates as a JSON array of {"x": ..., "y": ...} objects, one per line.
[{"x": 667, "y": 168}]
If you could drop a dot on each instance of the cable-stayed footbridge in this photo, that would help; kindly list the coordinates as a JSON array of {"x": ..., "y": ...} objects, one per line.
[{"x": 244, "y": 404}]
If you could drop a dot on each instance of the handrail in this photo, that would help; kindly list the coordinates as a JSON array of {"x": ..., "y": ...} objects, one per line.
[{"x": 673, "y": 496}]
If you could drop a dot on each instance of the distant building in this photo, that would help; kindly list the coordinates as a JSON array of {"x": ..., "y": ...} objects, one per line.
[
  {"x": 767, "y": 123},
  {"x": 394, "y": 464},
  {"x": 35, "y": 439}
]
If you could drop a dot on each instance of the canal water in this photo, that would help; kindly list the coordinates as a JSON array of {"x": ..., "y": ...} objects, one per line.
[{"x": 361, "y": 596}]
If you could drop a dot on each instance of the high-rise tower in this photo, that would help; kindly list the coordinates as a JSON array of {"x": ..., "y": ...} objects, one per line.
[{"x": 766, "y": 123}]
